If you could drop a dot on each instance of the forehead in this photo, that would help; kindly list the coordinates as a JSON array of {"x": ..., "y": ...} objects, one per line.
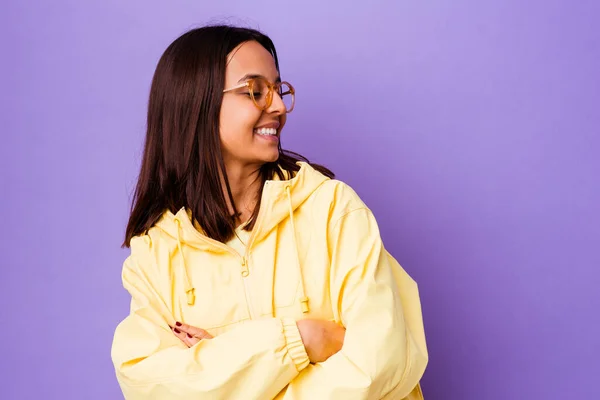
[{"x": 250, "y": 58}]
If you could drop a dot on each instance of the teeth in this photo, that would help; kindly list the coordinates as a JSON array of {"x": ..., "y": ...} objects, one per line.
[{"x": 266, "y": 131}]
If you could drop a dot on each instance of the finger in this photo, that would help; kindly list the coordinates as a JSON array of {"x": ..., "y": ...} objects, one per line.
[
  {"x": 194, "y": 331},
  {"x": 181, "y": 335},
  {"x": 191, "y": 340},
  {"x": 186, "y": 338}
]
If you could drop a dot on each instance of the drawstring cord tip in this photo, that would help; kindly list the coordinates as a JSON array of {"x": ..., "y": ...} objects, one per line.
[
  {"x": 191, "y": 297},
  {"x": 304, "y": 304}
]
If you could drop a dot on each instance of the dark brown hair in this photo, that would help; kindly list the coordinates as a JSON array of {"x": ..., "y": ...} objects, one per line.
[{"x": 182, "y": 159}]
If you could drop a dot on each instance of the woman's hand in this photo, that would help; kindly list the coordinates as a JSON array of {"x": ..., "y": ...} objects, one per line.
[
  {"x": 321, "y": 339},
  {"x": 190, "y": 335}
]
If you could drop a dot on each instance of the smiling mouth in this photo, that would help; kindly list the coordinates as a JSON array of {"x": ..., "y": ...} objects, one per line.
[{"x": 266, "y": 131}]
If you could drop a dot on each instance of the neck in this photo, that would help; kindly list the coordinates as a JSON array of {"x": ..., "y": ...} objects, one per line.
[{"x": 245, "y": 183}]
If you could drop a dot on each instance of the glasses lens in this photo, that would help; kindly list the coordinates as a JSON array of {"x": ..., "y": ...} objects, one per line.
[
  {"x": 259, "y": 89},
  {"x": 287, "y": 95}
]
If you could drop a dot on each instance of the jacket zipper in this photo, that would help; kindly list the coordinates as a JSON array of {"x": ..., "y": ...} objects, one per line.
[
  {"x": 245, "y": 274},
  {"x": 244, "y": 259},
  {"x": 245, "y": 267}
]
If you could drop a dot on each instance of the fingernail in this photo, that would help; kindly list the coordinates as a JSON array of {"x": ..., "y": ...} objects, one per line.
[
  {"x": 178, "y": 323},
  {"x": 176, "y": 330},
  {"x": 190, "y": 336}
]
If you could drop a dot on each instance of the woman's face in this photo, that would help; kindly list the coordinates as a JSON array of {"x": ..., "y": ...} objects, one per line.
[{"x": 241, "y": 120}]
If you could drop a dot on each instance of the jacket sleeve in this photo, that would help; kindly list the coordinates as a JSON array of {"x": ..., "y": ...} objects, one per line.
[
  {"x": 384, "y": 353},
  {"x": 252, "y": 361}
]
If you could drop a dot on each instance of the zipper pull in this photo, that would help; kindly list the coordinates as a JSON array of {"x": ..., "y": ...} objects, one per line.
[{"x": 245, "y": 270}]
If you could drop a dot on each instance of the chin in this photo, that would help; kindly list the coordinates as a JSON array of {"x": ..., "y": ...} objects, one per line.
[{"x": 272, "y": 158}]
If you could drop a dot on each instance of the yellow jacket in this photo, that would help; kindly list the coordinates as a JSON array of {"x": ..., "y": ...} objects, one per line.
[{"x": 315, "y": 252}]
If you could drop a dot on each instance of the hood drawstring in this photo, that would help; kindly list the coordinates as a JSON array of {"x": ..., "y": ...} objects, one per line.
[
  {"x": 303, "y": 298},
  {"x": 189, "y": 289}
]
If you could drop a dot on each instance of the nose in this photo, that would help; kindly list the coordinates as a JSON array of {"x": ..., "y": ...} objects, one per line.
[{"x": 277, "y": 106}]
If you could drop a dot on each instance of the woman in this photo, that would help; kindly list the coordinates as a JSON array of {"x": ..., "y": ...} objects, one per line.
[{"x": 253, "y": 273}]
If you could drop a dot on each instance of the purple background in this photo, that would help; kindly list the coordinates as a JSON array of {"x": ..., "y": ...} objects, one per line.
[{"x": 471, "y": 128}]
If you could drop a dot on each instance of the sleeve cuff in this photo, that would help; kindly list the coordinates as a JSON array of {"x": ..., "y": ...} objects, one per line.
[{"x": 294, "y": 344}]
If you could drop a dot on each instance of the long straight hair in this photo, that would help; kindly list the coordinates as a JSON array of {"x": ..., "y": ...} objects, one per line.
[{"x": 182, "y": 162}]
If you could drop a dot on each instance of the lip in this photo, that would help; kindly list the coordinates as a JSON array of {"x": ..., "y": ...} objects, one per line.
[
  {"x": 273, "y": 138},
  {"x": 274, "y": 125}
]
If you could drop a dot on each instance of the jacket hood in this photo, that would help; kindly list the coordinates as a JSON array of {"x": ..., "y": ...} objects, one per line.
[
  {"x": 277, "y": 198},
  {"x": 280, "y": 198}
]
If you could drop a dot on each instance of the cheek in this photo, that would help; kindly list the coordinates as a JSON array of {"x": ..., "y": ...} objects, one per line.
[{"x": 237, "y": 122}]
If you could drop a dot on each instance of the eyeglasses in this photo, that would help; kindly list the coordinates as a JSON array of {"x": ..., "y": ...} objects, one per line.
[{"x": 261, "y": 91}]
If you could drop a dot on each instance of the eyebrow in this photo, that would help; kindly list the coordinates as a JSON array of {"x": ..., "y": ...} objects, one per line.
[{"x": 254, "y": 76}]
